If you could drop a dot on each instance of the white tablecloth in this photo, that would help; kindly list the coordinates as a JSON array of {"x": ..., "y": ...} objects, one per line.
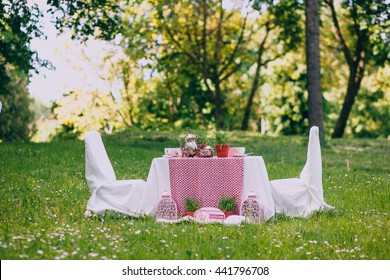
[{"x": 255, "y": 180}]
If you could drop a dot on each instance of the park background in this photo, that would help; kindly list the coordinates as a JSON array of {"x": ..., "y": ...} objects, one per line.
[
  {"x": 151, "y": 70},
  {"x": 173, "y": 65}
]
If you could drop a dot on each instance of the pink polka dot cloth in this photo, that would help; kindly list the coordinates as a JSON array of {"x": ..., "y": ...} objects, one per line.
[{"x": 206, "y": 180}]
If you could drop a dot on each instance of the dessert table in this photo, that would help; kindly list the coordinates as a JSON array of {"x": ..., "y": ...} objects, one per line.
[{"x": 207, "y": 179}]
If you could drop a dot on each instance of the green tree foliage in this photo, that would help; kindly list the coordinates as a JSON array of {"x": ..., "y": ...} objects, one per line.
[
  {"x": 197, "y": 43},
  {"x": 115, "y": 107},
  {"x": 15, "y": 114},
  {"x": 284, "y": 99},
  {"x": 371, "y": 113},
  {"x": 195, "y": 63},
  {"x": 363, "y": 40},
  {"x": 78, "y": 112},
  {"x": 18, "y": 25},
  {"x": 281, "y": 31},
  {"x": 208, "y": 38},
  {"x": 98, "y": 18}
]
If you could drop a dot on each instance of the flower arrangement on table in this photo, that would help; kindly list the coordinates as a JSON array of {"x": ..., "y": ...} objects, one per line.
[{"x": 228, "y": 205}]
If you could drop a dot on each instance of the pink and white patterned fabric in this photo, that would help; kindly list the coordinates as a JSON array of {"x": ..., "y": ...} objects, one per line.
[{"x": 206, "y": 180}]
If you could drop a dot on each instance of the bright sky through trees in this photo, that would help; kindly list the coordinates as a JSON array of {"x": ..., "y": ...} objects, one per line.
[
  {"x": 71, "y": 72},
  {"x": 67, "y": 57}
]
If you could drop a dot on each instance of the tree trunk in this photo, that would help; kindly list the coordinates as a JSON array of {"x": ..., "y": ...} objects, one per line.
[
  {"x": 313, "y": 67},
  {"x": 172, "y": 111},
  {"x": 247, "y": 113},
  {"x": 248, "y": 108},
  {"x": 346, "y": 109},
  {"x": 355, "y": 77},
  {"x": 218, "y": 105},
  {"x": 256, "y": 81},
  {"x": 356, "y": 64},
  {"x": 356, "y": 73}
]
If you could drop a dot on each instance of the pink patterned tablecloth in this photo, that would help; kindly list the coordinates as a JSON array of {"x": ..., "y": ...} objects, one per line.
[{"x": 206, "y": 179}]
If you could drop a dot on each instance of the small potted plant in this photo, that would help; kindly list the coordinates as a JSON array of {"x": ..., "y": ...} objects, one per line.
[
  {"x": 221, "y": 140},
  {"x": 201, "y": 139},
  {"x": 227, "y": 205},
  {"x": 191, "y": 205}
]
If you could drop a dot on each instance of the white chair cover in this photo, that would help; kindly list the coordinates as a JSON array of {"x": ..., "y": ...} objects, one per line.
[
  {"x": 107, "y": 193},
  {"x": 98, "y": 169},
  {"x": 299, "y": 197}
]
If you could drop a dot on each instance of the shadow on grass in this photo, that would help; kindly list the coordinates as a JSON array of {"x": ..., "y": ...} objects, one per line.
[
  {"x": 115, "y": 216},
  {"x": 327, "y": 214},
  {"x": 317, "y": 215}
]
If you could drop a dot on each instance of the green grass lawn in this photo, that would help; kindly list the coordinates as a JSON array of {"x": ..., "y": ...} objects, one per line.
[{"x": 43, "y": 195}]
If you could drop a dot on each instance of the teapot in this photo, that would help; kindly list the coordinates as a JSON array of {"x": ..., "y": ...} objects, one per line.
[{"x": 189, "y": 148}]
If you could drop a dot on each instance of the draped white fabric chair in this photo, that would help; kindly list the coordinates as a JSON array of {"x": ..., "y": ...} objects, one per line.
[
  {"x": 299, "y": 197},
  {"x": 108, "y": 193}
]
